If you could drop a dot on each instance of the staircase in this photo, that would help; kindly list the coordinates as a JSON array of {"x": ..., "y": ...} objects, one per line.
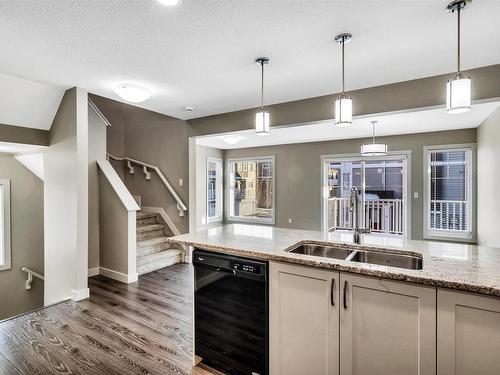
[{"x": 153, "y": 250}]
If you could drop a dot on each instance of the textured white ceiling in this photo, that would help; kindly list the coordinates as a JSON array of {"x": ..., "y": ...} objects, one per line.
[
  {"x": 28, "y": 103},
  {"x": 201, "y": 52},
  {"x": 421, "y": 121}
]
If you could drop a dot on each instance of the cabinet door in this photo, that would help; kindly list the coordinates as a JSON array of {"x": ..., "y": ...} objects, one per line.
[
  {"x": 386, "y": 327},
  {"x": 304, "y": 320},
  {"x": 468, "y": 334}
]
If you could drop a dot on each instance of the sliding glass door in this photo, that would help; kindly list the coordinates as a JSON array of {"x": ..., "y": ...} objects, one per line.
[{"x": 381, "y": 183}]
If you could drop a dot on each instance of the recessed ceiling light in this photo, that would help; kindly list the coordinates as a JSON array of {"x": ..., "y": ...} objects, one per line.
[
  {"x": 232, "y": 139},
  {"x": 169, "y": 3},
  {"x": 132, "y": 93}
]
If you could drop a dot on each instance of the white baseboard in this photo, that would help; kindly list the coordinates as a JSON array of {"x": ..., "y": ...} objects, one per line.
[
  {"x": 118, "y": 276},
  {"x": 79, "y": 295},
  {"x": 93, "y": 271}
]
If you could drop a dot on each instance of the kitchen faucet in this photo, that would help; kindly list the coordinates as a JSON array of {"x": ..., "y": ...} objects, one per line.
[{"x": 354, "y": 208}]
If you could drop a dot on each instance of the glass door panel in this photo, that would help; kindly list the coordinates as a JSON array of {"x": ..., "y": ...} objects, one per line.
[{"x": 382, "y": 185}]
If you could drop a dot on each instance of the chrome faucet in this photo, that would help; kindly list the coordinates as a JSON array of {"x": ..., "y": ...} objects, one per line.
[{"x": 354, "y": 208}]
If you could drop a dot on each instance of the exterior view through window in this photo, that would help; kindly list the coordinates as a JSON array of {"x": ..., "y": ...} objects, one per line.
[
  {"x": 449, "y": 195},
  {"x": 214, "y": 190},
  {"x": 382, "y": 187},
  {"x": 251, "y": 190}
]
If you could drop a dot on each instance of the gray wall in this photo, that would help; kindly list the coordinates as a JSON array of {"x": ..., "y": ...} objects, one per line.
[
  {"x": 488, "y": 181},
  {"x": 19, "y": 134},
  {"x": 298, "y": 173},
  {"x": 26, "y": 206},
  {"x": 156, "y": 139}
]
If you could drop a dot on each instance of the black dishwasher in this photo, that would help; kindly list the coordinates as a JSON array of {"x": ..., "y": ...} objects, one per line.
[{"x": 231, "y": 313}]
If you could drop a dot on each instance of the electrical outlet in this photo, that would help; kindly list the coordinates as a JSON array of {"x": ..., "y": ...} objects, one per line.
[
  {"x": 290, "y": 221},
  {"x": 415, "y": 194},
  {"x": 181, "y": 182}
]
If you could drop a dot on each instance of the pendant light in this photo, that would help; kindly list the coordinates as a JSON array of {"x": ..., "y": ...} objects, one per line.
[
  {"x": 458, "y": 89},
  {"x": 374, "y": 149},
  {"x": 262, "y": 116},
  {"x": 343, "y": 104}
]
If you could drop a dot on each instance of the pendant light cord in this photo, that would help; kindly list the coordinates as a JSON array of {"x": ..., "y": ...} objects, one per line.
[
  {"x": 343, "y": 75},
  {"x": 262, "y": 86}
]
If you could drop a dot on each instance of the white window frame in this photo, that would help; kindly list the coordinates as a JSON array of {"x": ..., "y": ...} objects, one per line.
[
  {"x": 219, "y": 198},
  {"x": 450, "y": 235},
  {"x": 391, "y": 155},
  {"x": 5, "y": 246},
  {"x": 230, "y": 191}
]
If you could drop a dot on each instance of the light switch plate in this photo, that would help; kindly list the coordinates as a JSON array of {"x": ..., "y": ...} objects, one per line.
[
  {"x": 415, "y": 194},
  {"x": 181, "y": 182}
]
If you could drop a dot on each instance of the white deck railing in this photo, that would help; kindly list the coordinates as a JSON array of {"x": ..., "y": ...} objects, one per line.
[
  {"x": 381, "y": 215},
  {"x": 387, "y": 215},
  {"x": 448, "y": 215}
]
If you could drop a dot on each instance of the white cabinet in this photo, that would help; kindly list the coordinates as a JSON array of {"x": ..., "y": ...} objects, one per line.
[
  {"x": 468, "y": 334},
  {"x": 327, "y": 323},
  {"x": 304, "y": 320},
  {"x": 386, "y": 327}
]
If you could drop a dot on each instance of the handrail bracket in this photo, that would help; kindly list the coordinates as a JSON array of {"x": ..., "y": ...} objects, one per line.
[{"x": 30, "y": 274}]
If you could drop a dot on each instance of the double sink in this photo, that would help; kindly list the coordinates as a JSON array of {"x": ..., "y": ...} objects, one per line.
[{"x": 412, "y": 262}]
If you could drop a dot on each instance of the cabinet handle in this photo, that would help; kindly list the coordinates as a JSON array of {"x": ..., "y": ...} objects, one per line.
[
  {"x": 345, "y": 294},
  {"x": 332, "y": 299}
]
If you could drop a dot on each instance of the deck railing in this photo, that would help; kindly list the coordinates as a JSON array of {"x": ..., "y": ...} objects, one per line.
[
  {"x": 381, "y": 215},
  {"x": 448, "y": 215},
  {"x": 387, "y": 215}
]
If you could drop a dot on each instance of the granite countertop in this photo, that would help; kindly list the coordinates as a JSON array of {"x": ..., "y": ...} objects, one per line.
[{"x": 458, "y": 266}]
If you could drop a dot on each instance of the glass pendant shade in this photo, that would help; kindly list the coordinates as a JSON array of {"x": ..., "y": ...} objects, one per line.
[
  {"x": 374, "y": 149},
  {"x": 343, "y": 111},
  {"x": 458, "y": 94},
  {"x": 262, "y": 123}
]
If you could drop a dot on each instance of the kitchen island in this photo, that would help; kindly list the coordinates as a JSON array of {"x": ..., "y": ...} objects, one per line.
[
  {"x": 457, "y": 266},
  {"x": 336, "y": 316}
]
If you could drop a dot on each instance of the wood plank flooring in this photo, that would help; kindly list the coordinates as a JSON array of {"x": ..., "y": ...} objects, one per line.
[{"x": 139, "y": 328}]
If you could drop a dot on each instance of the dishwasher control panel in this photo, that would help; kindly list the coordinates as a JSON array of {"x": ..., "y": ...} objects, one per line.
[{"x": 245, "y": 267}]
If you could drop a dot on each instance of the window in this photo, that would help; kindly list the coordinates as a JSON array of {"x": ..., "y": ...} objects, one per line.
[
  {"x": 214, "y": 190},
  {"x": 251, "y": 190},
  {"x": 448, "y": 192},
  {"x": 381, "y": 182},
  {"x": 4, "y": 224}
]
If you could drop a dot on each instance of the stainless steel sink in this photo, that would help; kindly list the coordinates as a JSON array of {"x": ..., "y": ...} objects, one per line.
[
  {"x": 412, "y": 262},
  {"x": 387, "y": 259},
  {"x": 324, "y": 251}
]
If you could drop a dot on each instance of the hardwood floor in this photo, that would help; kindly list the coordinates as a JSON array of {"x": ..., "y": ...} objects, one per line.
[{"x": 139, "y": 328}]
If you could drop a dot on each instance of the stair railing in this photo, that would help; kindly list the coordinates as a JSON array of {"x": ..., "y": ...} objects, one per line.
[
  {"x": 181, "y": 207},
  {"x": 30, "y": 275}
]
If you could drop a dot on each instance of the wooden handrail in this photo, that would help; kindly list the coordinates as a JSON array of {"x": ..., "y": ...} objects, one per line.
[{"x": 180, "y": 205}]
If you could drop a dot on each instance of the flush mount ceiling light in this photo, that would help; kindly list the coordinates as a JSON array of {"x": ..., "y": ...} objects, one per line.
[
  {"x": 232, "y": 139},
  {"x": 374, "y": 149},
  {"x": 169, "y": 3},
  {"x": 262, "y": 116},
  {"x": 458, "y": 89},
  {"x": 343, "y": 104},
  {"x": 132, "y": 93}
]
